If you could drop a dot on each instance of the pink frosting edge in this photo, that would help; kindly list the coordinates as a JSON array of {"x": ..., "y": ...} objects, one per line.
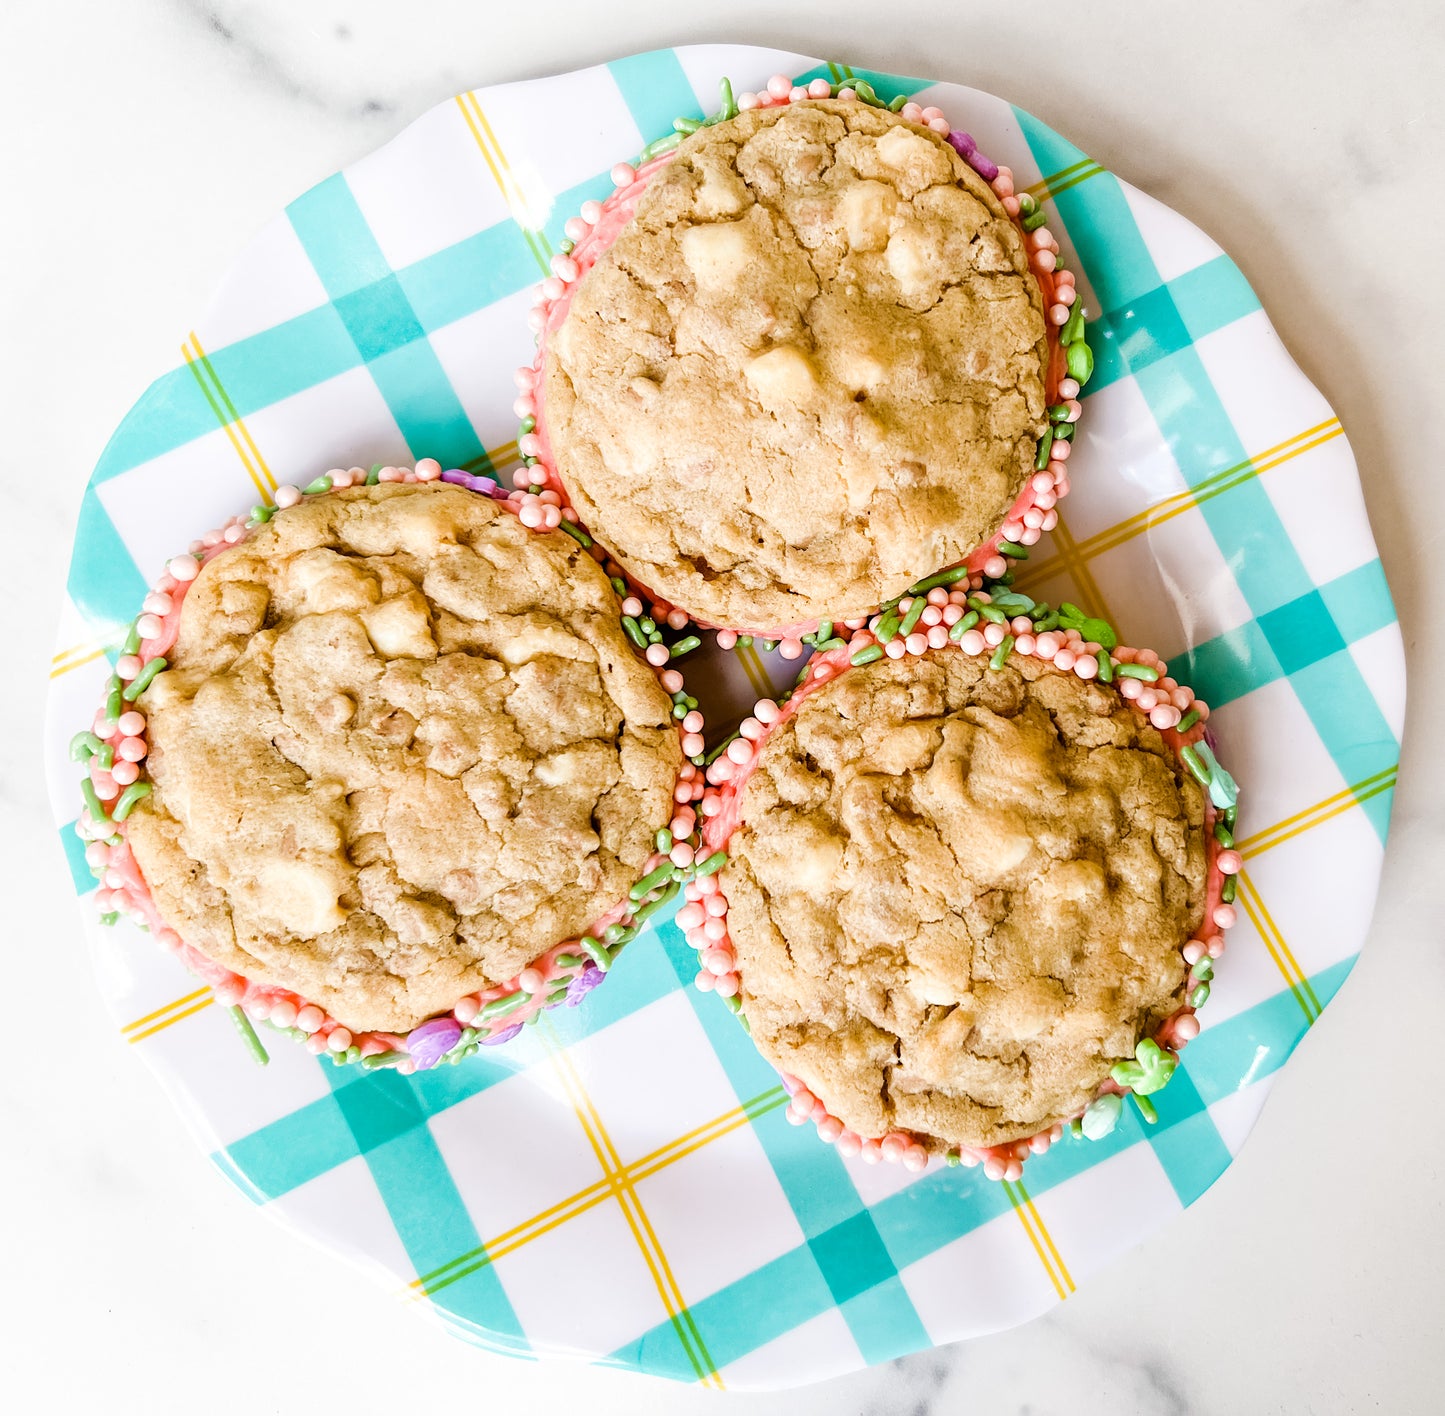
[{"x": 124, "y": 888}]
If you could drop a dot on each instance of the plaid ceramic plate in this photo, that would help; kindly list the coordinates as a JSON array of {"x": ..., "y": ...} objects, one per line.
[{"x": 1216, "y": 516}]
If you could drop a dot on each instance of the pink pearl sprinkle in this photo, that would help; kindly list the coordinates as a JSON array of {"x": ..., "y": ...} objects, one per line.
[
  {"x": 705, "y": 983},
  {"x": 1064, "y": 659},
  {"x": 849, "y": 1143},
  {"x": 993, "y": 635},
  {"x": 728, "y": 985},
  {"x": 972, "y": 642},
  {"x": 1049, "y": 644},
  {"x": 780, "y": 86},
  {"x": 623, "y": 175},
  {"x": 741, "y": 751},
  {"x": 829, "y": 1129},
  {"x": 1046, "y": 261},
  {"x": 525, "y": 377},
  {"x": 952, "y": 614},
  {"x": 937, "y": 637},
  {"x": 632, "y": 606},
  {"x": 1146, "y": 700},
  {"x": 693, "y": 722},
  {"x": 1186, "y": 1028},
  {"x": 1058, "y": 314},
  {"x": 747, "y": 101},
  {"x": 994, "y": 1168},
  {"x": 915, "y": 1158},
  {"x": 1003, "y": 184},
  {"x": 848, "y": 95},
  {"x": 692, "y": 744},
  {"x": 466, "y": 1010},
  {"x": 128, "y": 666},
  {"x": 690, "y": 916},
  {"x": 931, "y": 616},
  {"x": 428, "y": 470},
  {"x": 564, "y": 267},
  {"x": 125, "y": 773},
  {"x": 310, "y": 1018},
  {"x": 590, "y": 212},
  {"x": 1230, "y": 862},
  {"x": 283, "y": 1013},
  {"x": 1225, "y": 916},
  {"x": 820, "y": 88},
  {"x": 339, "y": 1039},
  {"x": 790, "y": 648},
  {"x": 106, "y": 787},
  {"x": 797, "y": 94},
  {"x": 158, "y": 603},
  {"x": 1215, "y": 945},
  {"x": 894, "y": 1146},
  {"x": 532, "y": 515},
  {"x": 709, "y": 885},
  {"x": 132, "y": 749},
  {"x": 930, "y": 113},
  {"x": 711, "y": 807},
  {"x": 657, "y": 655},
  {"x": 552, "y": 288},
  {"x": 1064, "y": 294},
  {"x": 895, "y": 648},
  {"x": 551, "y": 518},
  {"x": 912, "y": 111},
  {"x": 916, "y": 643},
  {"x": 1068, "y": 388},
  {"x": 871, "y": 1153},
  {"x": 681, "y": 855},
  {"x": 995, "y": 566},
  {"x": 766, "y": 711},
  {"x": 1164, "y": 716},
  {"x": 718, "y": 961},
  {"x": 575, "y": 228},
  {"x": 726, "y": 639},
  {"x": 1130, "y": 688},
  {"x": 672, "y": 680},
  {"x": 184, "y": 568},
  {"x": 1086, "y": 666},
  {"x": 531, "y": 981},
  {"x": 715, "y": 907}
]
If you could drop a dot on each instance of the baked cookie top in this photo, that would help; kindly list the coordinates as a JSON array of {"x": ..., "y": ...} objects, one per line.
[
  {"x": 402, "y": 749},
  {"x": 809, "y": 370},
  {"x": 957, "y": 895}
]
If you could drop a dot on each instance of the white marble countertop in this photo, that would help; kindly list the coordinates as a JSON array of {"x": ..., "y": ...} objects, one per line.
[{"x": 145, "y": 142}]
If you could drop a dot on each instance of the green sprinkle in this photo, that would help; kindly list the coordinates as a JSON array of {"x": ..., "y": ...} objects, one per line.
[
  {"x": 128, "y": 798},
  {"x": 1035, "y": 219},
  {"x": 1195, "y": 763},
  {"x": 381, "y": 1059},
  {"x": 352, "y": 1053},
  {"x": 1076, "y": 1128},
  {"x": 469, "y": 1036},
  {"x": 661, "y": 145},
  {"x": 1073, "y": 329},
  {"x": 1063, "y": 432},
  {"x": 651, "y": 881},
  {"x": 1101, "y": 632},
  {"x": 684, "y": 646},
  {"x": 556, "y": 996},
  {"x": 1230, "y": 890},
  {"x": 1147, "y": 672},
  {"x": 1080, "y": 362},
  {"x": 865, "y": 91},
  {"x": 1228, "y": 817},
  {"x": 1000, "y": 655},
  {"x": 663, "y": 840},
  {"x": 616, "y": 935},
  {"x": 527, "y": 425},
  {"x": 943, "y": 577},
  {"x": 575, "y": 532},
  {"x": 897, "y": 103},
  {"x": 952, "y": 1158},
  {"x": 745, "y": 641},
  {"x": 1188, "y": 721},
  {"x": 1041, "y": 460},
  {"x": 1027, "y": 205},
  {"x": 721, "y": 748},
  {"x": 633, "y": 632},
  {"x": 84, "y": 746},
  {"x": 768, "y": 645},
  {"x": 679, "y": 710},
  {"x": 595, "y": 952},
  {"x": 1058, "y": 412},
  {"x": 711, "y": 864},
  {"x": 733, "y": 1004},
  {"x": 1106, "y": 666},
  {"x": 1148, "y": 1072},
  {"x": 141, "y": 682},
  {"x": 747, "y": 1026},
  {"x": 619, "y": 585},
  {"x": 131, "y": 642},
  {"x": 887, "y": 627},
  {"x": 869, "y": 655},
  {"x": 686, "y": 126},
  {"x": 829, "y": 644},
  {"x": 915, "y": 613},
  {"x": 963, "y": 626},
  {"x": 1224, "y": 835},
  {"x": 500, "y": 1007},
  {"x": 1013, "y": 550},
  {"x": 569, "y": 961},
  {"x": 314, "y": 489},
  {"x": 1146, "y": 1108},
  {"x": 374, "y": 476},
  {"x": 1013, "y": 602},
  {"x": 647, "y": 624},
  {"x": 1101, "y": 1116},
  {"x": 729, "y": 107},
  {"x": 568, "y": 246},
  {"x": 823, "y": 632},
  {"x": 532, "y": 1019},
  {"x": 991, "y": 613},
  {"x": 644, "y": 912},
  {"x": 243, "y": 1026},
  {"x": 654, "y": 636},
  {"x": 110, "y": 917},
  {"x": 1203, "y": 971},
  {"x": 1223, "y": 790},
  {"x": 262, "y": 514},
  {"x": 114, "y": 699}
]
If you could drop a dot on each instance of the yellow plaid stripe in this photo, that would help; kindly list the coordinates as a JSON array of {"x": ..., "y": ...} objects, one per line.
[
  {"x": 1040, "y": 1238},
  {"x": 1180, "y": 502},
  {"x": 1320, "y": 812},
  {"x": 555, "y": 1215},
  {"x": 227, "y": 415},
  {"x": 152, "y": 1023},
  {"x": 642, "y": 1231},
  {"x": 497, "y": 165},
  {"x": 1259, "y": 915},
  {"x": 86, "y": 653},
  {"x": 1062, "y": 180}
]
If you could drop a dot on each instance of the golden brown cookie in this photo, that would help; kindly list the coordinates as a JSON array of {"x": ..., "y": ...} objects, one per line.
[
  {"x": 401, "y": 749},
  {"x": 957, "y": 895},
  {"x": 810, "y": 369}
]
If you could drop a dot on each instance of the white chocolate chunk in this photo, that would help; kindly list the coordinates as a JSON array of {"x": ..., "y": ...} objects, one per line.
[
  {"x": 781, "y": 377},
  {"x": 717, "y": 254}
]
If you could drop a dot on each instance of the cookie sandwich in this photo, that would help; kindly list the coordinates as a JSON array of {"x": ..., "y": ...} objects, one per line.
[
  {"x": 807, "y": 352},
  {"x": 384, "y": 767},
  {"x": 978, "y": 874}
]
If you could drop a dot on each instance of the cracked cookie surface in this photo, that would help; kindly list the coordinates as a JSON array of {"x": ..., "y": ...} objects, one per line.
[
  {"x": 808, "y": 371},
  {"x": 958, "y": 894},
  {"x": 403, "y": 748}
]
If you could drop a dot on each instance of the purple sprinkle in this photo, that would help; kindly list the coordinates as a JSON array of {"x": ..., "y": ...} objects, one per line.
[
  {"x": 506, "y": 1035},
  {"x": 583, "y": 984},
  {"x": 980, "y": 164},
  {"x": 962, "y": 143},
  {"x": 455, "y": 474},
  {"x": 431, "y": 1041},
  {"x": 461, "y": 478}
]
